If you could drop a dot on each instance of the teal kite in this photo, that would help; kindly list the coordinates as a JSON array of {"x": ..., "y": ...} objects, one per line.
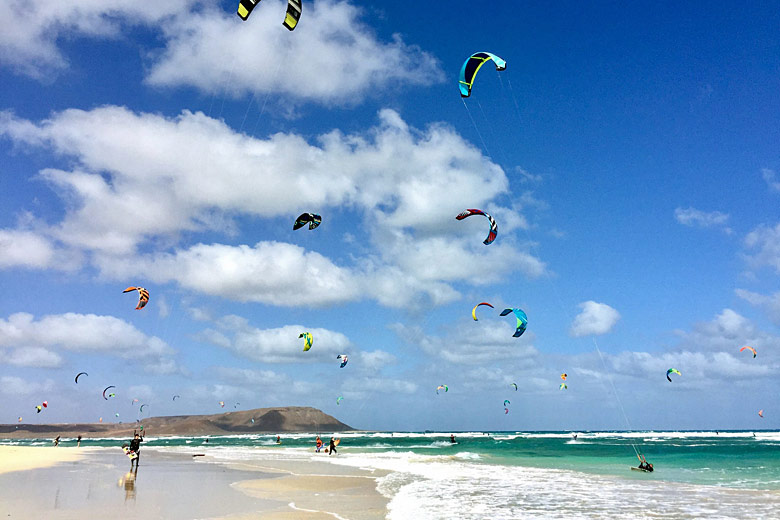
[
  {"x": 470, "y": 68},
  {"x": 672, "y": 371},
  {"x": 522, "y": 320}
]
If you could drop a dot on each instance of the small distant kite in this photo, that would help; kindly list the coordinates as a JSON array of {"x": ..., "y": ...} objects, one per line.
[
  {"x": 344, "y": 359},
  {"x": 515, "y": 385},
  {"x": 506, "y": 411},
  {"x": 79, "y": 375},
  {"x": 236, "y": 405},
  {"x": 308, "y": 340},
  {"x": 474, "y": 310},
  {"x": 45, "y": 404},
  {"x": 761, "y": 413},
  {"x": 222, "y": 404},
  {"x": 672, "y": 371},
  {"x": 109, "y": 395},
  {"x": 506, "y": 402},
  {"x": 175, "y": 396},
  {"x": 38, "y": 409},
  {"x": 522, "y": 320},
  {"x": 294, "y": 9},
  {"x": 564, "y": 376},
  {"x": 141, "y": 409},
  {"x": 563, "y": 386},
  {"x": 20, "y": 419},
  {"x": 312, "y": 219},
  {"x": 751, "y": 349},
  {"x": 339, "y": 399},
  {"x": 442, "y": 387},
  {"x": 493, "y": 226},
  {"x": 143, "y": 296}
]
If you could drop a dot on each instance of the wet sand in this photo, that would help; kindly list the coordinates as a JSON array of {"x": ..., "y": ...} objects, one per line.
[{"x": 71, "y": 483}]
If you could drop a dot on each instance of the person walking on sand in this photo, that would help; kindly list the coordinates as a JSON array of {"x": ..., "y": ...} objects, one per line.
[
  {"x": 332, "y": 447},
  {"x": 78, "y": 444},
  {"x": 135, "y": 447},
  {"x": 57, "y": 441}
]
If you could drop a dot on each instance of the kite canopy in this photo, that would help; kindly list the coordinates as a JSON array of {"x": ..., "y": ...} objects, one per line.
[
  {"x": 563, "y": 386},
  {"x": 109, "y": 395},
  {"x": 522, "y": 320},
  {"x": 442, "y": 387},
  {"x": 493, "y": 226},
  {"x": 515, "y": 385},
  {"x": 222, "y": 404},
  {"x": 344, "y": 359},
  {"x": 294, "y": 8},
  {"x": 751, "y": 349},
  {"x": 339, "y": 399},
  {"x": 308, "y": 340},
  {"x": 506, "y": 402},
  {"x": 245, "y": 8},
  {"x": 79, "y": 375},
  {"x": 175, "y": 396},
  {"x": 312, "y": 219},
  {"x": 38, "y": 409},
  {"x": 506, "y": 411},
  {"x": 470, "y": 68},
  {"x": 141, "y": 409},
  {"x": 474, "y": 310},
  {"x": 143, "y": 296},
  {"x": 761, "y": 413},
  {"x": 672, "y": 371},
  {"x": 564, "y": 376}
]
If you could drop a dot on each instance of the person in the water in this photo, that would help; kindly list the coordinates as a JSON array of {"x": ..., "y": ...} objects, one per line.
[{"x": 452, "y": 438}]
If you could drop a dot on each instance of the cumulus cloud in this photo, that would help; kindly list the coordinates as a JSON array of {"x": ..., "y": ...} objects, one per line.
[
  {"x": 276, "y": 345},
  {"x": 10, "y": 385},
  {"x": 331, "y": 57},
  {"x": 34, "y": 342},
  {"x": 128, "y": 192},
  {"x": 764, "y": 241},
  {"x": 25, "y": 249},
  {"x": 594, "y": 319},
  {"x": 696, "y": 218},
  {"x": 31, "y": 28}
]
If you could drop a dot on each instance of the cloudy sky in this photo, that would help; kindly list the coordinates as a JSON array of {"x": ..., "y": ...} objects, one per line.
[{"x": 630, "y": 155}]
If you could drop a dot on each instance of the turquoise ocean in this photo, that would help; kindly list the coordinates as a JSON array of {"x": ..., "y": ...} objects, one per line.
[{"x": 698, "y": 474}]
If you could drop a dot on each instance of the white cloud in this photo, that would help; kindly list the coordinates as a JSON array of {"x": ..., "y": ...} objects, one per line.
[
  {"x": 128, "y": 191},
  {"x": 595, "y": 319},
  {"x": 34, "y": 341},
  {"x": 765, "y": 241},
  {"x": 331, "y": 56},
  {"x": 31, "y": 28},
  {"x": 770, "y": 176},
  {"x": 277, "y": 345},
  {"x": 10, "y": 385},
  {"x": 696, "y": 218},
  {"x": 25, "y": 249},
  {"x": 770, "y": 303}
]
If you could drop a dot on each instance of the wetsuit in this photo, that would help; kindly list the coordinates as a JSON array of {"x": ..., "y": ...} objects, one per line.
[
  {"x": 135, "y": 446},
  {"x": 332, "y": 447}
]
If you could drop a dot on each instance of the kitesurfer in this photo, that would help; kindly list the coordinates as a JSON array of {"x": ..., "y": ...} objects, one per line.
[
  {"x": 319, "y": 444},
  {"x": 278, "y": 440},
  {"x": 135, "y": 447},
  {"x": 332, "y": 447},
  {"x": 78, "y": 443},
  {"x": 452, "y": 438},
  {"x": 643, "y": 464},
  {"x": 57, "y": 441}
]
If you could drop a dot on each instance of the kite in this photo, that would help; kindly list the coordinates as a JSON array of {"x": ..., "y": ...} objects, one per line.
[
  {"x": 20, "y": 419},
  {"x": 141, "y": 409},
  {"x": 564, "y": 376},
  {"x": 506, "y": 411},
  {"x": 294, "y": 9},
  {"x": 38, "y": 409},
  {"x": 109, "y": 395},
  {"x": 522, "y": 320},
  {"x": 175, "y": 396},
  {"x": 79, "y": 375},
  {"x": 307, "y": 218},
  {"x": 472, "y": 65},
  {"x": 116, "y": 414},
  {"x": 236, "y": 405},
  {"x": 761, "y": 413},
  {"x": 45, "y": 404},
  {"x": 506, "y": 402},
  {"x": 751, "y": 349},
  {"x": 493, "y": 226},
  {"x": 339, "y": 399},
  {"x": 515, "y": 385},
  {"x": 245, "y": 8},
  {"x": 563, "y": 386},
  {"x": 100, "y": 420},
  {"x": 143, "y": 296},
  {"x": 344, "y": 359},
  {"x": 222, "y": 404},
  {"x": 672, "y": 371},
  {"x": 442, "y": 387},
  {"x": 308, "y": 340},
  {"x": 474, "y": 310}
]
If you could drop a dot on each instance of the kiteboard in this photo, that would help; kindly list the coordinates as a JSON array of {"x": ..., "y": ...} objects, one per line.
[
  {"x": 639, "y": 469},
  {"x": 130, "y": 454}
]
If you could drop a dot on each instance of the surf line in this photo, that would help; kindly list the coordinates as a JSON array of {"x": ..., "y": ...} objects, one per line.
[{"x": 334, "y": 515}]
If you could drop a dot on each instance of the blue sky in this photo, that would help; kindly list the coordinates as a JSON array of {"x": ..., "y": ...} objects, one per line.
[{"x": 630, "y": 155}]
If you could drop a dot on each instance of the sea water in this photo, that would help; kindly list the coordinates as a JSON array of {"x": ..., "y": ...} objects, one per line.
[{"x": 497, "y": 475}]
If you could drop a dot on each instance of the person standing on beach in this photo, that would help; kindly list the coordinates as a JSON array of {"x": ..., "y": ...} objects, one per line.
[
  {"x": 78, "y": 444},
  {"x": 57, "y": 441},
  {"x": 332, "y": 447},
  {"x": 319, "y": 444},
  {"x": 135, "y": 447}
]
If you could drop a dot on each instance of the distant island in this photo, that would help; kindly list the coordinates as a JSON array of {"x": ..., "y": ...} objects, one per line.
[{"x": 260, "y": 420}]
